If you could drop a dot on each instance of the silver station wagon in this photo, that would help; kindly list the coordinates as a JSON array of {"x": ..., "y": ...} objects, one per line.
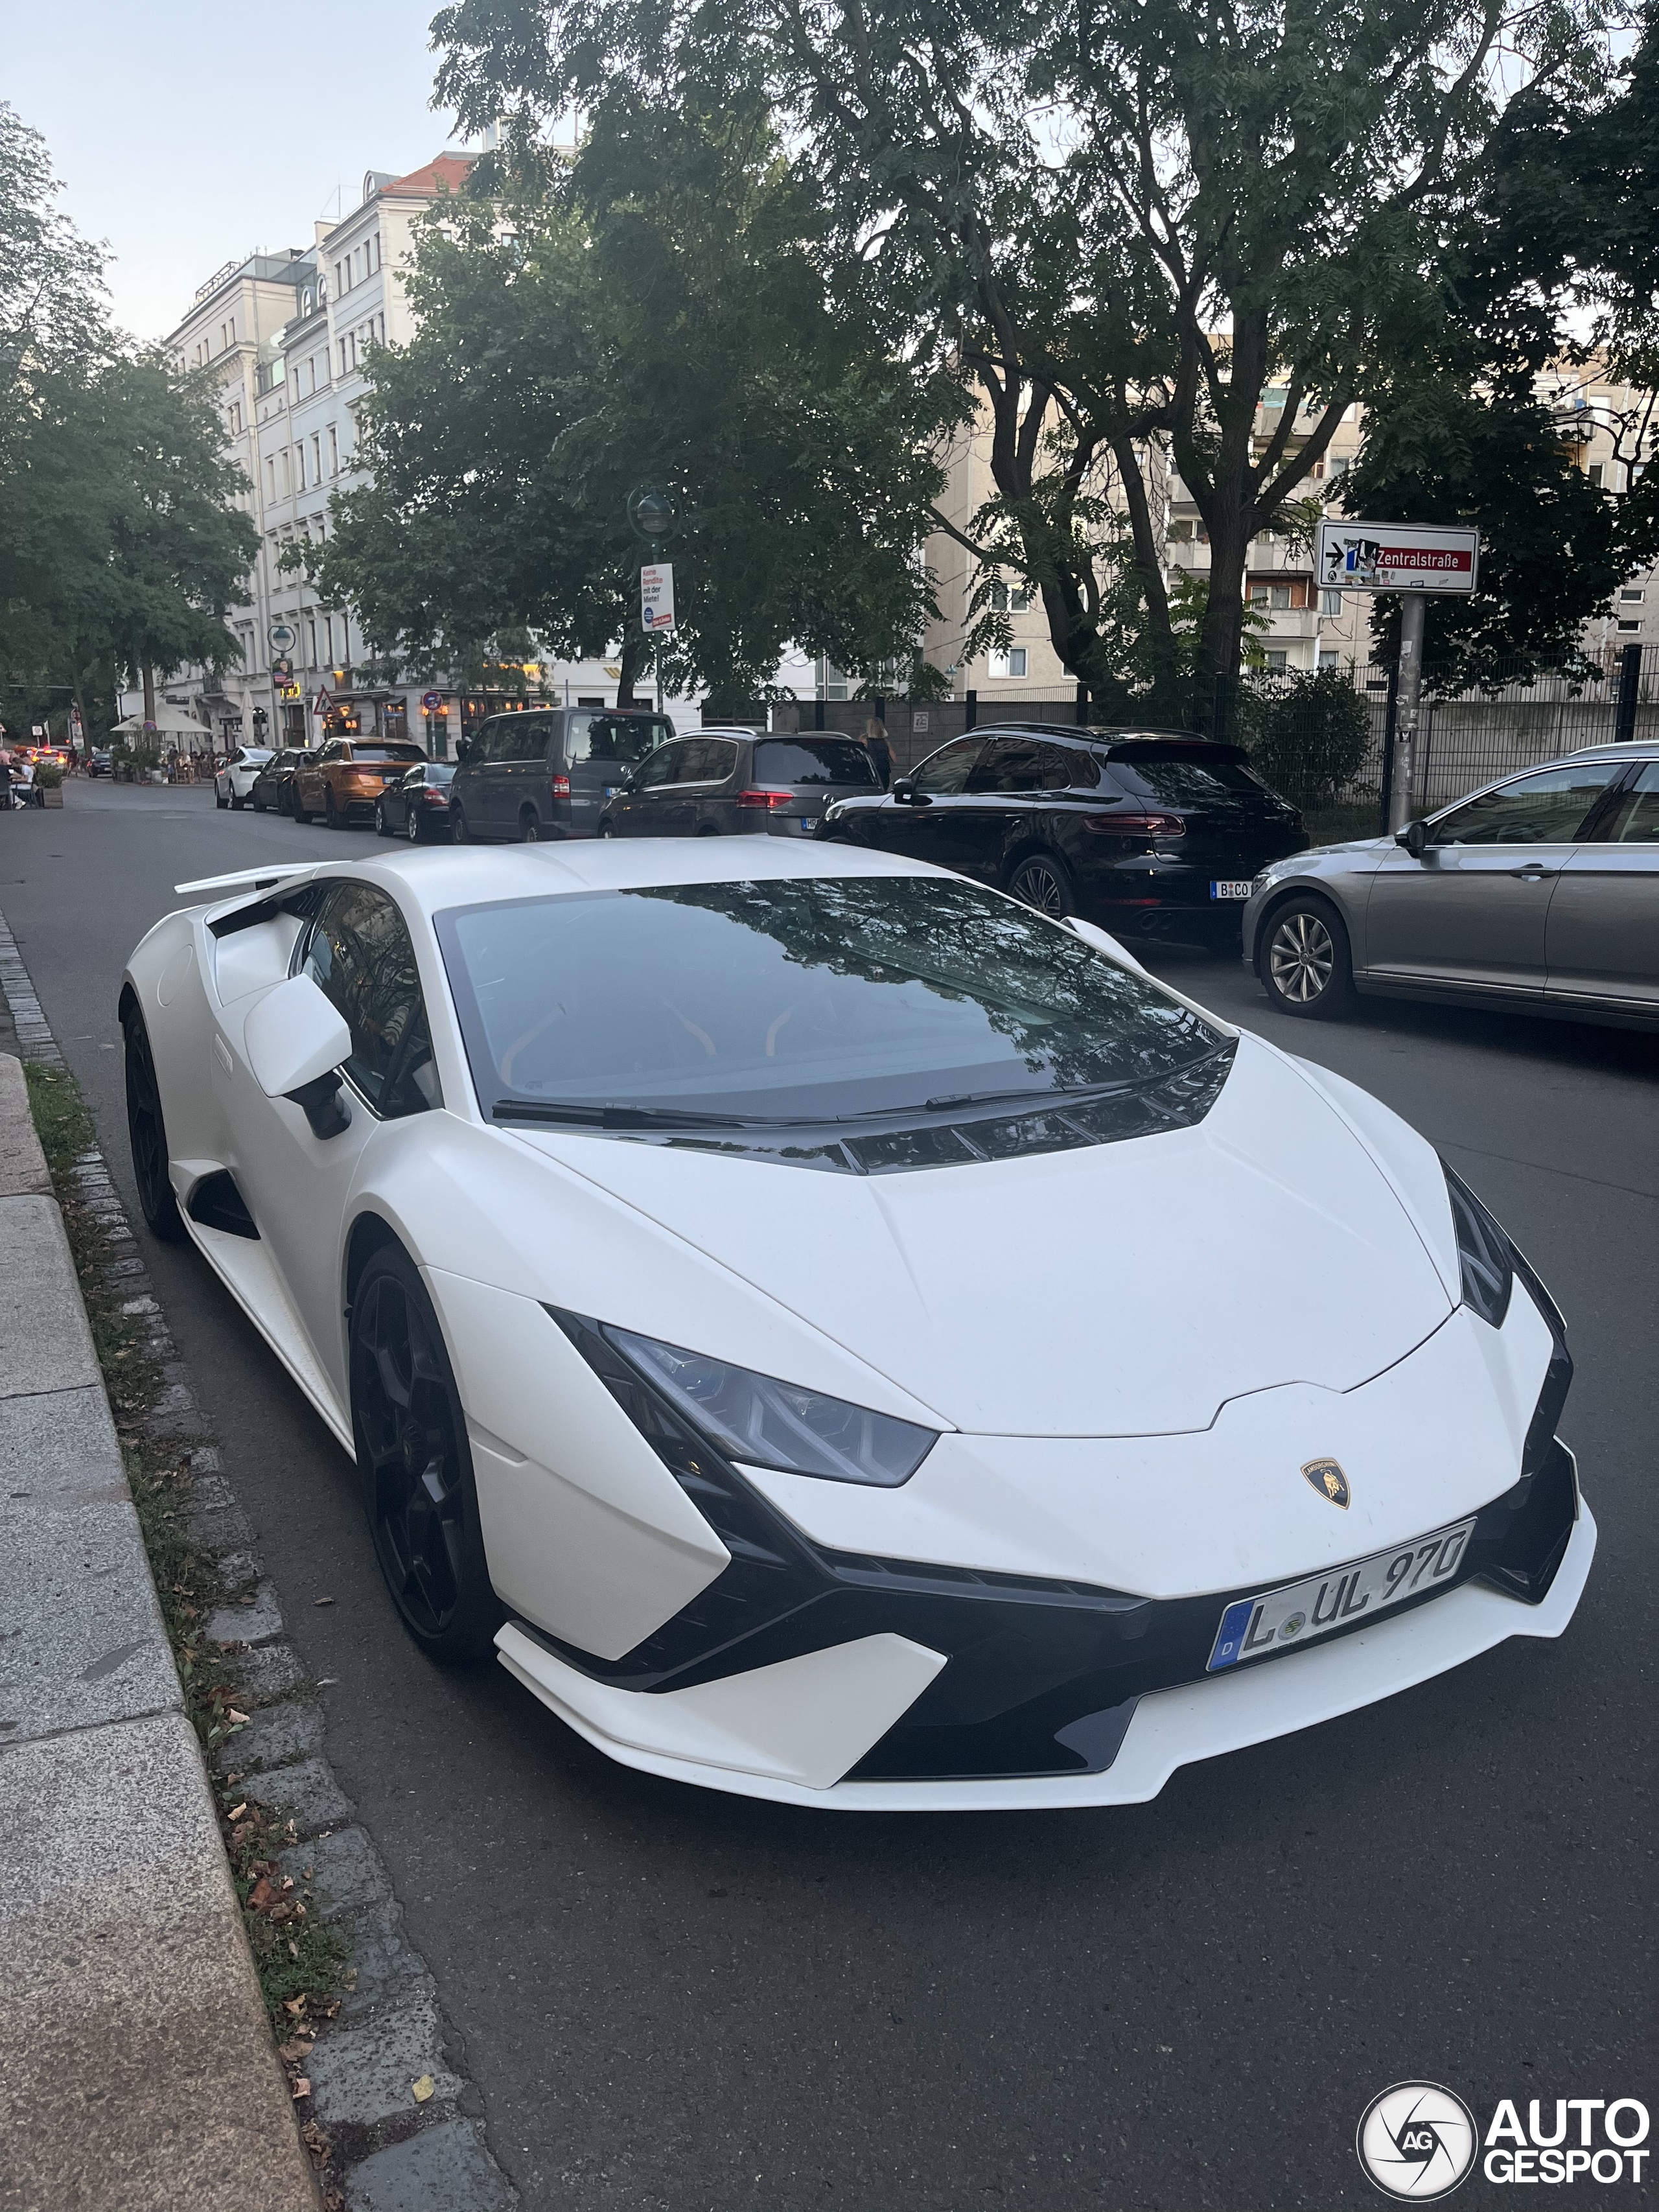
[{"x": 1540, "y": 893}]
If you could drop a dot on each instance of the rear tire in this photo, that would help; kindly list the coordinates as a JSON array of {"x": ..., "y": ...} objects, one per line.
[
  {"x": 411, "y": 825},
  {"x": 530, "y": 828},
  {"x": 147, "y": 1133},
  {"x": 1040, "y": 880},
  {"x": 458, "y": 828},
  {"x": 1304, "y": 961},
  {"x": 219, "y": 801},
  {"x": 332, "y": 817},
  {"x": 382, "y": 826},
  {"x": 236, "y": 803},
  {"x": 414, "y": 1465}
]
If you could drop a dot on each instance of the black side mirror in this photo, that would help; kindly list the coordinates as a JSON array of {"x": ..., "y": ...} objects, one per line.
[
  {"x": 906, "y": 794},
  {"x": 324, "y": 1105},
  {"x": 1415, "y": 837}
]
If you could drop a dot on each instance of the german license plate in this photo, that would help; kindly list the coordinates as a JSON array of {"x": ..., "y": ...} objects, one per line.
[
  {"x": 1232, "y": 887},
  {"x": 1253, "y": 1626},
  {"x": 805, "y": 821}
]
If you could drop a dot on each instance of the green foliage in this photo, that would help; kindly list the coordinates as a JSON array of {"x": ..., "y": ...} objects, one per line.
[
  {"x": 1118, "y": 225},
  {"x": 653, "y": 316},
  {"x": 120, "y": 546},
  {"x": 1307, "y": 734}
]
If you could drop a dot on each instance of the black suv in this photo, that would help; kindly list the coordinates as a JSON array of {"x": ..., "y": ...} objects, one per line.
[
  {"x": 547, "y": 771},
  {"x": 1148, "y": 833}
]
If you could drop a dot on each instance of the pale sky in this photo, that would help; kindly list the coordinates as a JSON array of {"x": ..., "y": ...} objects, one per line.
[{"x": 188, "y": 135}]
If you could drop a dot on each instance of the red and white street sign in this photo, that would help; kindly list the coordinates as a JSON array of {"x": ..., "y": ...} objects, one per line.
[
  {"x": 323, "y": 703},
  {"x": 1397, "y": 556}
]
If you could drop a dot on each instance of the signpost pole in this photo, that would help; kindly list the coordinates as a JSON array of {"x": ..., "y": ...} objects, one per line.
[{"x": 1402, "y": 795}]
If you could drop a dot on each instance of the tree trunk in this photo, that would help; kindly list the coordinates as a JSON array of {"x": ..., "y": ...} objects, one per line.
[
  {"x": 148, "y": 674},
  {"x": 635, "y": 655}
]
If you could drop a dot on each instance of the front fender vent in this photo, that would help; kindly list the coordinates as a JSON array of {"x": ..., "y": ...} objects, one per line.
[{"x": 216, "y": 1203}]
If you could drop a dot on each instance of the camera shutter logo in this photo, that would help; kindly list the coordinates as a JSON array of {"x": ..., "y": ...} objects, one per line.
[{"x": 1417, "y": 2141}]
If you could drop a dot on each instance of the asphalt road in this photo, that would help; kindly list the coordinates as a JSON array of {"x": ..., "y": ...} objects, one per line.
[{"x": 675, "y": 1999}]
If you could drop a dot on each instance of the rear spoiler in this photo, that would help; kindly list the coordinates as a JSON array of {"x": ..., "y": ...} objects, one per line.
[{"x": 251, "y": 879}]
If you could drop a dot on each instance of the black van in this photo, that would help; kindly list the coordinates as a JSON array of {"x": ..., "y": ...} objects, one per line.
[{"x": 549, "y": 771}]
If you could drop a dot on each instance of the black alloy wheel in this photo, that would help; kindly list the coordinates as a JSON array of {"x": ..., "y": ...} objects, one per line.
[
  {"x": 1041, "y": 881},
  {"x": 382, "y": 826},
  {"x": 607, "y": 829},
  {"x": 1305, "y": 960},
  {"x": 414, "y": 1467},
  {"x": 530, "y": 828},
  {"x": 411, "y": 825},
  {"x": 147, "y": 1134}
]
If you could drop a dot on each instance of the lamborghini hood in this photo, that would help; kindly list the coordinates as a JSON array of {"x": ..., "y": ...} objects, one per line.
[{"x": 1126, "y": 1289}]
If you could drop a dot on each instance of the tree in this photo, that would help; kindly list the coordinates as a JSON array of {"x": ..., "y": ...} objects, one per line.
[
  {"x": 1552, "y": 268},
  {"x": 653, "y": 316},
  {"x": 121, "y": 551},
  {"x": 1118, "y": 222}
]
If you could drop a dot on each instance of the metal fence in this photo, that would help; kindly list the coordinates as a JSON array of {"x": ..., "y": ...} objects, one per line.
[{"x": 1322, "y": 741}]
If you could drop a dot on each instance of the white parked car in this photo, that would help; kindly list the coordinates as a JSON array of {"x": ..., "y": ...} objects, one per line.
[
  {"x": 840, "y": 1335},
  {"x": 234, "y": 784}
]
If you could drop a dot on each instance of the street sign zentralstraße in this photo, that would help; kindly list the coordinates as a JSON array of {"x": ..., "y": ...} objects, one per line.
[{"x": 1397, "y": 556}]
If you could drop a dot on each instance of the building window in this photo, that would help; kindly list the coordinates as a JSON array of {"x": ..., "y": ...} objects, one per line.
[
  {"x": 1630, "y": 625},
  {"x": 1011, "y": 598},
  {"x": 333, "y": 452},
  {"x": 328, "y": 637},
  {"x": 1630, "y": 598},
  {"x": 1327, "y": 659},
  {"x": 316, "y": 458},
  {"x": 343, "y": 359},
  {"x": 1330, "y": 603},
  {"x": 310, "y": 629},
  {"x": 1340, "y": 468},
  {"x": 300, "y": 464},
  {"x": 1277, "y": 662},
  {"x": 1596, "y": 472},
  {"x": 271, "y": 476},
  {"x": 1011, "y": 663}
]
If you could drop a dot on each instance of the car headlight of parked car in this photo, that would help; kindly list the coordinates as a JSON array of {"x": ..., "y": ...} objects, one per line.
[{"x": 755, "y": 1418}]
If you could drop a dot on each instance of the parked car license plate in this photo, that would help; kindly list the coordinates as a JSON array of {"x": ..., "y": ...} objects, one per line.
[
  {"x": 806, "y": 820},
  {"x": 1251, "y": 1626},
  {"x": 1232, "y": 887}
]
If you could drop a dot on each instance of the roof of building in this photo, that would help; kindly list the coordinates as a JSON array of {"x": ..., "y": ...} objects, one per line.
[{"x": 447, "y": 170}]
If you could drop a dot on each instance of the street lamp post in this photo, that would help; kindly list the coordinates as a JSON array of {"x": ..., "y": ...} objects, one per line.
[{"x": 653, "y": 517}]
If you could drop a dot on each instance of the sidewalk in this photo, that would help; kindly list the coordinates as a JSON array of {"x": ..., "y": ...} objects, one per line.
[{"x": 137, "y": 2071}]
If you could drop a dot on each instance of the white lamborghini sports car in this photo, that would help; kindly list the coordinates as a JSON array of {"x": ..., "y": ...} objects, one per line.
[{"x": 840, "y": 1335}]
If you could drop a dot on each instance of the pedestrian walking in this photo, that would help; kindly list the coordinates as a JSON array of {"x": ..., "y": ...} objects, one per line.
[{"x": 880, "y": 752}]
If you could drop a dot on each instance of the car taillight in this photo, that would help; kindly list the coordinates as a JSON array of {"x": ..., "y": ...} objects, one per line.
[
  {"x": 435, "y": 798},
  {"x": 561, "y": 787},
  {"x": 1139, "y": 824},
  {"x": 769, "y": 802}
]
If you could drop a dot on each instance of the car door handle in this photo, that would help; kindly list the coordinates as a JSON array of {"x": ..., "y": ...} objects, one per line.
[{"x": 1535, "y": 870}]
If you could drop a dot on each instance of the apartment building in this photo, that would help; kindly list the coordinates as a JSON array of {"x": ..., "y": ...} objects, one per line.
[{"x": 294, "y": 334}]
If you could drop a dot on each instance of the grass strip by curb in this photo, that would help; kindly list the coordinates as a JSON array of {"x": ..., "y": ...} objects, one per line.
[{"x": 300, "y": 1962}]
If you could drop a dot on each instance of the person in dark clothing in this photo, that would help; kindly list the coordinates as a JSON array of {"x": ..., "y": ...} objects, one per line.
[{"x": 880, "y": 752}]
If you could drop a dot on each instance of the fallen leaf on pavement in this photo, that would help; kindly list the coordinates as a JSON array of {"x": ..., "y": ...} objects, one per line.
[
  {"x": 423, "y": 2089},
  {"x": 322, "y": 1600},
  {"x": 236, "y": 1719},
  {"x": 260, "y": 1895},
  {"x": 237, "y": 1811},
  {"x": 294, "y": 2005},
  {"x": 302, "y": 2088}
]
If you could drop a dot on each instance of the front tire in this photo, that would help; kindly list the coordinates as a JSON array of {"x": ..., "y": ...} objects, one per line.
[
  {"x": 1041, "y": 881},
  {"x": 235, "y": 804},
  {"x": 147, "y": 1134},
  {"x": 607, "y": 829},
  {"x": 259, "y": 803},
  {"x": 414, "y": 1466},
  {"x": 1305, "y": 961},
  {"x": 411, "y": 825}
]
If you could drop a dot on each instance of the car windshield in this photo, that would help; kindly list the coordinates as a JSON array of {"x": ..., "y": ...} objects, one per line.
[
  {"x": 1185, "y": 775},
  {"x": 813, "y": 760},
  {"x": 814, "y": 1000}
]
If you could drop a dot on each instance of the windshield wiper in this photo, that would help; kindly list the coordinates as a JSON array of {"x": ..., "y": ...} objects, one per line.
[{"x": 610, "y": 1116}]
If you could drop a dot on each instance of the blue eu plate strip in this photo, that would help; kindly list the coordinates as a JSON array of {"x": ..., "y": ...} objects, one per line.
[{"x": 1230, "y": 1637}]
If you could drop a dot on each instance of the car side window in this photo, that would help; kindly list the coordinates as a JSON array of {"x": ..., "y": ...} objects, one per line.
[
  {"x": 534, "y": 740},
  {"x": 1068, "y": 768},
  {"x": 1010, "y": 764},
  {"x": 359, "y": 954},
  {"x": 1633, "y": 816},
  {"x": 661, "y": 766},
  {"x": 1547, "y": 809},
  {"x": 946, "y": 772},
  {"x": 707, "y": 759}
]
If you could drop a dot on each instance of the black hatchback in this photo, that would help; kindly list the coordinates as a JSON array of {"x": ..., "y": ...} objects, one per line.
[
  {"x": 738, "y": 783},
  {"x": 1148, "y": 833}
]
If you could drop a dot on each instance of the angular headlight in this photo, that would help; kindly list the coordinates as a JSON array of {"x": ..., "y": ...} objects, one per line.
[
  {"x": 756, "y": 1418},
  {"x": 1485, "y": 1253}
]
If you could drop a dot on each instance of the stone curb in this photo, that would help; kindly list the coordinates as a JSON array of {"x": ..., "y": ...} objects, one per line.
[{"x": 391, "y": 2149}]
